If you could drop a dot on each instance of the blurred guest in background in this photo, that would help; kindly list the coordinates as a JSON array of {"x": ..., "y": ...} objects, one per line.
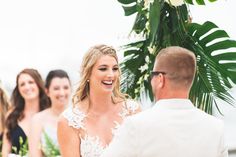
[
  {"x": 28, "y": 98},
  {"x": 43, "y": 128},
  {"x": 4, "y": 106}
]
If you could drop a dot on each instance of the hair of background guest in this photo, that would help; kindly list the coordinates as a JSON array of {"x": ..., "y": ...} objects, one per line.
[
  {"x": 4, "y": 106},
  {"x": 53, "y": 74}
]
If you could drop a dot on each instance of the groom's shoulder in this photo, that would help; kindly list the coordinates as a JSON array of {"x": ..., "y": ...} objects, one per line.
[
  {"x": 206, "y": 115},
  {"x": 142, "y": 116},
  {"x": 210, "y": 120}
]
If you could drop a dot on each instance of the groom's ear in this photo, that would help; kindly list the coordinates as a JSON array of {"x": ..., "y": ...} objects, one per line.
[{"x": 162, "y": 81}]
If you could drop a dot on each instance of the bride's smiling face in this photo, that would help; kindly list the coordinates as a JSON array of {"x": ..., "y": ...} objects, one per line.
[{"x": 104, "y": 74}]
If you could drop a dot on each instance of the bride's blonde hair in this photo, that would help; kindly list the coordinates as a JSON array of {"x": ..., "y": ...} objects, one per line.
[{"x": 89, "y": 60}]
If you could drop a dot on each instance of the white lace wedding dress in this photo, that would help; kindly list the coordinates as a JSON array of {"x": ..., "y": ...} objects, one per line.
[{"x": 91, "y": 146}]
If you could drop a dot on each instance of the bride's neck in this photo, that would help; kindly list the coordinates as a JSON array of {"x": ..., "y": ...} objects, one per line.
[{"x": 100, "y": 104}]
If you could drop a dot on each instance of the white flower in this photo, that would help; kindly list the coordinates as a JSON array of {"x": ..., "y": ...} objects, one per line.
[
  {"x": 147, "y": 59},
  {"x": 152, "y": 49},
  {"x": 147, "y": 3},
  {"x": 136, "y": 91},
  {"x": 143, "y": 68},
  {"x": 147, "y": 25},
  {"x": 140, "y": 80},
  {"x": 175, "y": 2},
  {"x": 146, "y": 77}
]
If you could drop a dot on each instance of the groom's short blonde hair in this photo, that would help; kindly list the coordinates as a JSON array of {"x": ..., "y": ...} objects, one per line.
[{"x": 179, "y": 64}]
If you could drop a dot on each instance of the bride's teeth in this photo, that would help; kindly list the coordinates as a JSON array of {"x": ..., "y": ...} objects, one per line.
[{"x": 107, "y": 82}]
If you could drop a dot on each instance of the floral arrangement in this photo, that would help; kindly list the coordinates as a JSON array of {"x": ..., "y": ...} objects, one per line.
[{"x": 163, "y": 23}]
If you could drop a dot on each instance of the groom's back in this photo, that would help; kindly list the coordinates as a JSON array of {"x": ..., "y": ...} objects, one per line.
[{"x": 181, "y": 132}]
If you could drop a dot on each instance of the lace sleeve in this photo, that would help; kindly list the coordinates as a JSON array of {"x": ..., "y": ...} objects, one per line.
[
  {"x": 130, "y": 107},
  {"x": 75, "y": 117}
]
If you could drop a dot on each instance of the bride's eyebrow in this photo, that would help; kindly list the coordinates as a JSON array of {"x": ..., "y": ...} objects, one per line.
[{"x": 105, "y": 65}]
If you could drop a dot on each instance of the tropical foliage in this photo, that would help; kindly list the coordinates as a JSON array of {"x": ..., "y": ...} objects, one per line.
[
  {"x": 50, "y": 149},
  {"x": 163, "y": 23},
  {"x": 23, "y": 148}
]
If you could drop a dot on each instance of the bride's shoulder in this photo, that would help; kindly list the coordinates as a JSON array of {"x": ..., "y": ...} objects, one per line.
[{"x": 73, "y": 116}]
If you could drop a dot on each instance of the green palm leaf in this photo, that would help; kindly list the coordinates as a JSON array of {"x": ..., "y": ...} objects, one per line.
[
  {"x": 50, "y": 150},
  {"x": 163, "y": 25},
  {"x": 199, "y": 2},
  {"x": 126, "y": 1},
  {"x": 132, "y": 75},
  {"x": 213, "y": 76}
]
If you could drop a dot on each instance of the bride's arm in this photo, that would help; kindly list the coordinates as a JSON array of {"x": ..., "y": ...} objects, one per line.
[{"x": 68, "y": 138}]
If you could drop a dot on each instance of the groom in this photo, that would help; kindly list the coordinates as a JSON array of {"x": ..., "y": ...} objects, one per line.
[{"x": 173, "y": 127}]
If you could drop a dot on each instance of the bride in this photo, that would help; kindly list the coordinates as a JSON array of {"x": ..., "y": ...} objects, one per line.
[{"x": 86, "y": 128}]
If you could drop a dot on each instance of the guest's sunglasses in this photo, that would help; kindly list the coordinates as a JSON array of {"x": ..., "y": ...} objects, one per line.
[{"x": 156, "y": 73}]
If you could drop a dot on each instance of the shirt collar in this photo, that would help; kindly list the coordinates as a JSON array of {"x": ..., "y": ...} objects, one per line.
[{"x": 174, "y": 104}]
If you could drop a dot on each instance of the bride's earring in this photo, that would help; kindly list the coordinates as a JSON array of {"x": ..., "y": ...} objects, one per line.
[{"x": 87, "y": 87}]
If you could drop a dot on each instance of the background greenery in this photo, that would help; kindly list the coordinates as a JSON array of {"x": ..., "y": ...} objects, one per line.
[{"x": 160, "y": 24}]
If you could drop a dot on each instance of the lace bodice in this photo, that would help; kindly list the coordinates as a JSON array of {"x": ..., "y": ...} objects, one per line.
[{"x": 91, "y": 146}]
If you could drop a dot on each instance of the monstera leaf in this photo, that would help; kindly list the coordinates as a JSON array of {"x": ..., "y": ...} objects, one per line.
[
  {"x": 216, "y": 65},
  {"x": 161, "y": 25}
]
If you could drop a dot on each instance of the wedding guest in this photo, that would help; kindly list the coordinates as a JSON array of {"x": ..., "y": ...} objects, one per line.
[
  {"x": 4, "y": 106},
  {"x": 98, "y": 106},
  {"x": 44, "y": 124},
  {"x": 173, "y": 127},
  {"x": 28, "y": 98}
]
